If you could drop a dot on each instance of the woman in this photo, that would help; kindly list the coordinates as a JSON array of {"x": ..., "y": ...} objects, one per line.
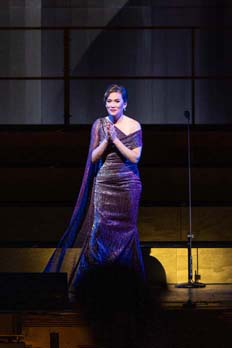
[{"x": 105, "y": 216}]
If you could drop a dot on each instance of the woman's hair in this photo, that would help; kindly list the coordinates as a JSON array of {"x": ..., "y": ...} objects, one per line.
[{"x": 116, "y": 89}]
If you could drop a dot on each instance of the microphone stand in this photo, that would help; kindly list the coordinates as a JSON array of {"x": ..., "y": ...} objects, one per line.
[{"x": 190, "y": 283}]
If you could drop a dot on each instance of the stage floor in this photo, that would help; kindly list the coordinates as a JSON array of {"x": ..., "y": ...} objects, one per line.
[
  {"x": 183, "y": 318},
  {"x": 211, "y": 296}
]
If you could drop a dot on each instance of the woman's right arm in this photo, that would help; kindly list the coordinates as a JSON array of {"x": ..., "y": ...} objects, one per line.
[{"x": 98, "y": 148}]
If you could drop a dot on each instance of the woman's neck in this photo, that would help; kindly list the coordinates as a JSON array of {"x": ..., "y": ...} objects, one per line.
[{"x": 115, "y": 119}]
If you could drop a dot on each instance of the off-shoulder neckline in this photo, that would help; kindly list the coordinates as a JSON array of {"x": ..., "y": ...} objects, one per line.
[{"x": 127, "y": 135}]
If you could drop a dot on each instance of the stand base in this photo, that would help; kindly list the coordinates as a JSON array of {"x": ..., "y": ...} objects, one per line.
[
  {"x": 189, "y": 304},
  {"x": 190, "y": 285}
]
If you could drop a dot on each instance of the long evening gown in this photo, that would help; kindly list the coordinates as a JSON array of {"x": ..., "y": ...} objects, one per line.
[{"x": 104, "y": 221}]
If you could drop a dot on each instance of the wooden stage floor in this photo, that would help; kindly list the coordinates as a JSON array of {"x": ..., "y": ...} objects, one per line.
[
  {"x": 182, "y": 318},
  {"x": 211, "y": 296}
]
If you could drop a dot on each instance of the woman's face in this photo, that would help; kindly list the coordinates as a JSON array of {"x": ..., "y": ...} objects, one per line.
[{"x": 115, "y": 104}]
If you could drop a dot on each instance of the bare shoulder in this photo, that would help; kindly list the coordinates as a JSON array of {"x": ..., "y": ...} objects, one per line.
[
  {"x": 133, "y": 124},
  {"x": 96, "y": 123}
]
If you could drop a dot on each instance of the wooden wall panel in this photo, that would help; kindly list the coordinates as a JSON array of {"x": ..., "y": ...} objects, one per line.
[
  {"x": 43, "y": 224},
  {"x": 159, "y": 223},
  {"x": 42, "y": 169},
  {"x": 160, "y": 185},
  {"x": 214, "y": 265},
  {"x": 208, "y": 223},
  {"x": 172, "y": 223},
  {"x": 170, "y": 185},
  {"x": 40, "y": 184}
]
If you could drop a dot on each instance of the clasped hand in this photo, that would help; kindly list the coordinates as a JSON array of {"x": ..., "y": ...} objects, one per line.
[{"x": 110, "y": 132}]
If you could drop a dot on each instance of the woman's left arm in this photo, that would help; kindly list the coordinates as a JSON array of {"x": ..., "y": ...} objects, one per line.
[{"x": 132, "y": 155}]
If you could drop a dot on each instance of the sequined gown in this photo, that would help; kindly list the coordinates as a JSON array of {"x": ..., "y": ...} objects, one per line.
[{"x": 106, "y": 229}]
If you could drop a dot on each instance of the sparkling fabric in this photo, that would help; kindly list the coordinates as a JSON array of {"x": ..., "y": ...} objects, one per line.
[{"x": 104, "y": 221}]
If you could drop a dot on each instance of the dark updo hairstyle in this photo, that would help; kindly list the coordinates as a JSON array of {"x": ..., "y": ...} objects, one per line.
[{"x": 116, "y": 89}]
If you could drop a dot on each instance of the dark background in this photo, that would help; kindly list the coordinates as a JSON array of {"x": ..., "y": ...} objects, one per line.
[{"x": 171, "y": 56}]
